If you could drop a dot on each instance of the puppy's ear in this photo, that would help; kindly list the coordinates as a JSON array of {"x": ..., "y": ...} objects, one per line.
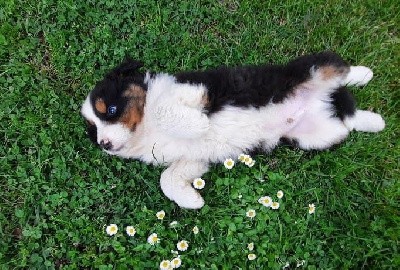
[{"x": 128, "y": 67}]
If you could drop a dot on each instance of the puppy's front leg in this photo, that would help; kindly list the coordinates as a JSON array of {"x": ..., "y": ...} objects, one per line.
[{"x": 176, "y": 183}]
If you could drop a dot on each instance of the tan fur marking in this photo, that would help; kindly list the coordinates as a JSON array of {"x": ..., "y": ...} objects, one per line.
[
  {"x": 100, "y": 105},
  {"x": 135, "y": 91},
  {"x": 132, "y": 117},
  {"x": 329, "y": 72},
  {"x": 204, "y": 100}
]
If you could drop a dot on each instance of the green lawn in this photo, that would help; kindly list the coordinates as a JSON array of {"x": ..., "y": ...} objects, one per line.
[{"x": 58, "y": 192}]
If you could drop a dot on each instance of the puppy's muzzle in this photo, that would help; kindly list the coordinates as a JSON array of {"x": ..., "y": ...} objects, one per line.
[{"x": 106, "y": 145}]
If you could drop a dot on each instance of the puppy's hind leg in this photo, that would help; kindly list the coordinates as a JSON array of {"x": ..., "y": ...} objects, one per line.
[
  {"x": 176, "y": 183},
  {"x": 365, "y": 121}
]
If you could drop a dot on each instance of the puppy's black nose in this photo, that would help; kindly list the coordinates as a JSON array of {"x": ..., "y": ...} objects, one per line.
[{"x": 106, "y": 145}]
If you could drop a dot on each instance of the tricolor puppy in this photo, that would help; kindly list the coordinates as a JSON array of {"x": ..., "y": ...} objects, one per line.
[{"x": 190, "y": 119}]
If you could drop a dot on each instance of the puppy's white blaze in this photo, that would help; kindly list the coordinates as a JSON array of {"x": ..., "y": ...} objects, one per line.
[
  {"x": 117, "y": 133},
  {"x": 88, "y": 112}
]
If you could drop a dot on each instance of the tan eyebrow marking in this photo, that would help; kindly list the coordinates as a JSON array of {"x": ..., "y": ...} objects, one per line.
[{"x": 100, "y": 105}]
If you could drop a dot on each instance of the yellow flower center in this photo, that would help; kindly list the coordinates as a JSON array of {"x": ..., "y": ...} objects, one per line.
[
  {"x": 165, "y": 264},
  {"x": 113, "y": 229},
  {"x": 199, "y": 183}
]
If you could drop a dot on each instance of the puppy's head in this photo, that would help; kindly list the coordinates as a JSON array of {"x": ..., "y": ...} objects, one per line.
[{"x": 114, "y": 108}]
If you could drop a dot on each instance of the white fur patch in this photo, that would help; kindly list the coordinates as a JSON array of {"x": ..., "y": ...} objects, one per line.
[
  {"x": 365, "y": 121},
  {"x": 358, "y": 76}
]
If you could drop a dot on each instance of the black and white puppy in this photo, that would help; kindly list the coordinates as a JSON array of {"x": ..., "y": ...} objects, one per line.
[{"x": 191, "y": 119}]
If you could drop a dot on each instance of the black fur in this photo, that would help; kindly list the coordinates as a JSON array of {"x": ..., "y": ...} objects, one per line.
[
  {"x": 245, "y": 86},
  {"x": 258, "y": 85},
  {"x": 344, "y": 103},
  {"x": 91, "y": 131}
]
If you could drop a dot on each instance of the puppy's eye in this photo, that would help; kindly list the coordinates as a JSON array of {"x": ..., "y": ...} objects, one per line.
[{"x": 112, "y": 110}]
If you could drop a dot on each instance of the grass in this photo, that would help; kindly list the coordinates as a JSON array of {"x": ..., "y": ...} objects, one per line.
[{"x": 58, "y": 192}]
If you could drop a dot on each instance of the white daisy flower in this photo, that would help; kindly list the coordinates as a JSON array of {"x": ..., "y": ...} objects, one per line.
[
  {"x": 251, "y": 256},
  {"x": 199, "y": 183},
  {"x": 195, "y": 230},
  {"x": 250, "y": 246},
  {"x": 251, "y": 164},
  {"x": 311, "y": 208},
  {"x": 176, "y": 262},
  {"x": 229, "y": 163},
  {"x": 266, "y": 201},
  {"x": 160, "y": 215},
  {"x": 251, "y": 213},
  {"x": 275, "y": 205},
  {"x": 165, "y": 265},
  {"x": 112, "y": 229},
  {"x": 130, "y": 230},
  {"x": 248, "y": 160},
  {"x": 279, "y": 194},
  {"x": 173, "y": 223},
  {"x": 153, "y": 239},
  {"x": 241, "y": 157},
  {"x": 182, "y": 245}
]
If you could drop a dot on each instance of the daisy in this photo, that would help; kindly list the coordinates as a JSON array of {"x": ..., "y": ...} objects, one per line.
[
  {"x": 176, "y": 262},
  {"x": 266, "y": 201},
  {"x": 182, "y": 245},
  {"x": 248, "y": 160},
  {"x": 160, "y": 215},
  {"x": 173, "y": 223},
  {"x": 153, "y": 239},
  {"x": 195, "y": 230},
  {"x": 241, "y": 157},
  {"x": 251, "y": 164},
  {"x": 279, "y": 194},
  {"x": 165, "y": 265},
  {"x": 250, "y": 246},
  {"x": 229, "y": 163},
  {"x": 199, "y": 183},
  {"x": 275, "y": 205},
  {"x": 311, "y": 208},
  {"x": 251, "y": 256},
  {"x": 251, "y": 213},
  {"x": 112, "y": 229},
  {"x": 130, "y": 230}
]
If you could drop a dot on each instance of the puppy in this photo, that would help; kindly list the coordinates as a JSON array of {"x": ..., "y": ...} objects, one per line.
[{"x": 191, "y": 119}]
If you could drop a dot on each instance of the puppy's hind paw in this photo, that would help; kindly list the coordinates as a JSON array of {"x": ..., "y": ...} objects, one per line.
[
  {"x": 189, "y": 198},
  {"x": 367, "y": 121}
]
